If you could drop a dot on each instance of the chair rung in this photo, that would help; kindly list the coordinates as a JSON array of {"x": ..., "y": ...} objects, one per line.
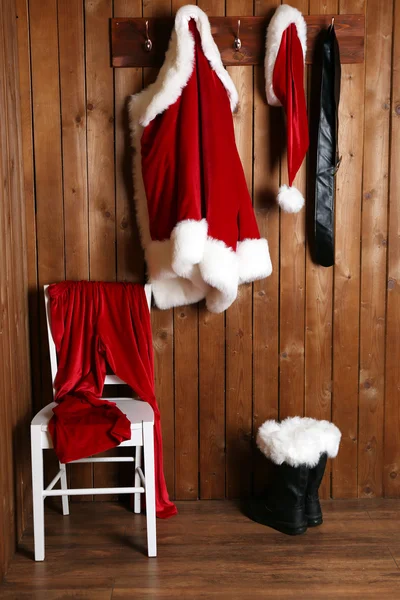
[
  {"x": 53, "y": 481},
  {"x": 103, "y": 459},
  {"x": 94, "y": 491},
  {"x": 142, "y": 479}
]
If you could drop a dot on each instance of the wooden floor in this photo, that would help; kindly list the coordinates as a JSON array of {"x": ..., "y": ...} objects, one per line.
[{"x": 210, "y": 550}]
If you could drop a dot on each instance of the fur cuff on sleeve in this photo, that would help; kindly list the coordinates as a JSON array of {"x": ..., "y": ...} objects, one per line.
[{"x": 298, "y": 441}]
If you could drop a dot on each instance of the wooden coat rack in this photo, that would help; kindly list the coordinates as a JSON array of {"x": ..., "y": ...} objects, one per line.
[{"x": 128, "y": 39}]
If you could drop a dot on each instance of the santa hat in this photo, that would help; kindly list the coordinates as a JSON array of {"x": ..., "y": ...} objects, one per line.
[{"x": 286, "y": 47}]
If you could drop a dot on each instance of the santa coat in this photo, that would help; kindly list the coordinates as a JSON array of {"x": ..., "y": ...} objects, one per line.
[{"x": 194, "y": 211}]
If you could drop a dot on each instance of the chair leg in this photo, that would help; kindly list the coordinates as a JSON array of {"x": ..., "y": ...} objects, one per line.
[
  {"x": 148, "y": 451},
  {"x": 37, "y": 491},
  {"x": 64, "y": 486},
  {"x": 138, "y": 463}
]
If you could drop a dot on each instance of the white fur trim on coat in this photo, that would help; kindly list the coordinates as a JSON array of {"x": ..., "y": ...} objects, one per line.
[
  {"x": 168, "y": 293},
  {"x": 219, "y": 269},
  {"x": 283, "y": 17},
  {"x": 298, "y": 440},
  {"x": 178, "y": 67},
  {"x": 188, "y": 239},
  {"x": 191, "y": 266},
  {"x": 290, "y": 199},
  {"x": 254, "y": 260}
]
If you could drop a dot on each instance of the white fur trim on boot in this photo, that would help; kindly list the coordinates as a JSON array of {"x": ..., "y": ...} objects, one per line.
[
  {"x": 290, "y": 199},
  {"x": 298, "y": 441}
]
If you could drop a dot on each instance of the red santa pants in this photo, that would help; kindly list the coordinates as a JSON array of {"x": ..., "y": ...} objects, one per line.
[{"x": 93, "y": 324}]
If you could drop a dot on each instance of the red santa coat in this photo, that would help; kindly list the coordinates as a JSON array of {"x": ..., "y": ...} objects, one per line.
[{"x": 194, "y": 211}]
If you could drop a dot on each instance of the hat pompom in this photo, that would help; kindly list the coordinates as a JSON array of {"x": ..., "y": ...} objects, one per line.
[{"x": 290, "y": 199}]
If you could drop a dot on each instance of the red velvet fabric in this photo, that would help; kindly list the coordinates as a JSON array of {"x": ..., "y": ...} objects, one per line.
[
  {"x": 190, "y": 164},
  {"x": 94, "y": 323},
  {"x": 288, "y": 84}
]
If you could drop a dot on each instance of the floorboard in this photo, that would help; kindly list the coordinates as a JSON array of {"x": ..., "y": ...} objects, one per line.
[{"x": 210, "y": 550}]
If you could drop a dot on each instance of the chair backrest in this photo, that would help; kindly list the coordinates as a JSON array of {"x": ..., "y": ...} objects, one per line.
[{"x": 110, "y": 379}]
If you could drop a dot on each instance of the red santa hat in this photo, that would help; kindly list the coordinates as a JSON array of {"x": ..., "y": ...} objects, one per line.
[
  {"x": 286, "y": 46},
  {"x": 194, "y": 211}
]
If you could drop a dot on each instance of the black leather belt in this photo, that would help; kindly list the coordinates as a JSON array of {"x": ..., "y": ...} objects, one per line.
[{"x": 327, "y": 159}]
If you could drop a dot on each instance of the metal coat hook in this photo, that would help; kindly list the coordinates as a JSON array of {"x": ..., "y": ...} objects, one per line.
[
  {"x": 237, "y": 43},
  {"x": 148, "y": 43}
]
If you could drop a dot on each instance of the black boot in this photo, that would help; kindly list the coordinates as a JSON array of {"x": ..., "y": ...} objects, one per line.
[
  {"x": 313, "y": 507},
  {"x": 282, "y": 506}
]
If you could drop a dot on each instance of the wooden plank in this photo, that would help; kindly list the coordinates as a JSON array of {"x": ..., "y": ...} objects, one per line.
[
  {"x": 128, "y": 37},
  {"x": 73, "y": 123},
  {"x": 391, "y": 473},
  {"x": 11, "y": 204},
  {"x": 186, "y": 343},
  {"x": 6, "y": 481},
  {"x": 292, "y": 294},
  {"x": 100, "y": 141},
  {"x": 212, "y": 404},
  {"x": 212, "y": 376},
  {"x": 374, "y": 246},
  {"x": 15, "y": 389},
  {"x": 319, "y": 282},
  {"x": 176, "y": 4},
  {"x": 266, "y": 131},
  {"x": 186, "y": 369},
  {"x": 100, "y": 160},
  {"x": 130, "y": 260},
  {"x": 347, "y": 274},
  {"x": 163, "y": 325},
  {"x": 48, "y": 164},
  {"x": 24, "y": 69},
  {"x": 47, "y": 134},
  {"x": 163, "y": 346},
  {"x": 7, "y": 522},
  {"x": 238, "y": 333},
  {"x": 17, "y": 290}
]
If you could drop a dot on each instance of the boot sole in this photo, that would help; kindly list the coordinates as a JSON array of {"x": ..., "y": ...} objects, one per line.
[
  {"x": 280, "y": 526},
  {"x": 314, "y": 522}
]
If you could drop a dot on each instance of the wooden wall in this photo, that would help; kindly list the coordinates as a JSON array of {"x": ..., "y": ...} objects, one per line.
[
  {"x": 15, "y": 389},
  {"x": 308, "y": 340}
]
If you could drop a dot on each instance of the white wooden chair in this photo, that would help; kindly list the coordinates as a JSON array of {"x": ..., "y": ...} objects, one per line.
[{"x": 141, "y": 417}]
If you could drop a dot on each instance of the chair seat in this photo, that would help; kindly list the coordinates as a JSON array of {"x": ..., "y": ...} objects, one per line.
[{"x": 137, "y": 412}]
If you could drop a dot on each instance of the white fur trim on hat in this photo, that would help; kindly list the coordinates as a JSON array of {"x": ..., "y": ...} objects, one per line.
[
  {"x": 290, "y": 199},
  {"x": 283, "y": 17},
  {"x": 298, "y": 441}
]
